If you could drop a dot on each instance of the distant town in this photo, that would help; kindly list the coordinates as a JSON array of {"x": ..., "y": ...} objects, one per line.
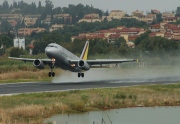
[{"x": 22, "y": 19}]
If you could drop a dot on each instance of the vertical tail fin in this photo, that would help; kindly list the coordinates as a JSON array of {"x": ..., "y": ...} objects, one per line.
[{"x": 84, "y": 53}]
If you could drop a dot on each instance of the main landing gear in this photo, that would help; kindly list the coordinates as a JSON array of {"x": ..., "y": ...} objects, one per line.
[
  {"x": 51, "y": 73},
  {"x": 80, "y": 74}
]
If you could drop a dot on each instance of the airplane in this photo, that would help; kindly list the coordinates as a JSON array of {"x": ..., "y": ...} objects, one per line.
[{"x": 60, "y": 57}]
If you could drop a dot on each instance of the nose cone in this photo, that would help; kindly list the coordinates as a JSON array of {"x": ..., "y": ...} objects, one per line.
[{"x": 50, "y": 51}]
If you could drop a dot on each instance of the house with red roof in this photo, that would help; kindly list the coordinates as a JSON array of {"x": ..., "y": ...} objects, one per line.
[
  {"x": 168, "y": 35},
  {"x": 132, "y": 31},
  {"x": 166, "y": 30},
  {"x": 113, "y": 37},
  {"x": 176, "y": 33},
  {"x": 155, "y": 28},
  {"x": 129, "y": 34},
  {"x": 170, "y": 19}
]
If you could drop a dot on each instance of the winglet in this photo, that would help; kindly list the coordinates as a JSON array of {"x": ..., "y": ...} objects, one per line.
[{"x": 84, "y": 53}]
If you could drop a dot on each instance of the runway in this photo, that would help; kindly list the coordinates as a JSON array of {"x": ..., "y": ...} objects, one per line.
[{"x": 32, "y": 87}]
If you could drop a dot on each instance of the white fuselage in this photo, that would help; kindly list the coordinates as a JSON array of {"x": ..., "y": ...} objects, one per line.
[{"x": 62, "y": 57}]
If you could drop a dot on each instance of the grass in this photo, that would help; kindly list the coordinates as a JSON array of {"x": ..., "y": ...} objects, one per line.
[
  {"x": 23, "y": 73},
  {"x": 17, "y": 71},
  {"x": 33, "y": 108},
  {"x": 26, "y": 76}
]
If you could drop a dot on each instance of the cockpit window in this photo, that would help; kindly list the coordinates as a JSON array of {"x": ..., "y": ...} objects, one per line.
[{"x": 52, "y": 46}]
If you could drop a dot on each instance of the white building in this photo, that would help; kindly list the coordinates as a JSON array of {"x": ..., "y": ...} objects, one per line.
[
  {"x": 19, "y": 42},
  {"x": 56, "y": 27}
]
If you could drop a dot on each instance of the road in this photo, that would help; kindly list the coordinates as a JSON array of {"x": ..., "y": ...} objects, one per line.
[{"x": 31, "y": 87}]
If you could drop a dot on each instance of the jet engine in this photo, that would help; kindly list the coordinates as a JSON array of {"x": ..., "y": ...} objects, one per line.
[
  {"x": 83, "y": 65},
  {"x": 38, "y": 64}
]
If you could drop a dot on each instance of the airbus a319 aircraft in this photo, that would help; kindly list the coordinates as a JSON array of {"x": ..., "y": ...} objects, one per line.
[{"x": 64, "y": 59}]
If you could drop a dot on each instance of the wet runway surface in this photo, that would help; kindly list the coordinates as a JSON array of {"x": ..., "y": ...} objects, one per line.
[{"x": 17, "y": 88}]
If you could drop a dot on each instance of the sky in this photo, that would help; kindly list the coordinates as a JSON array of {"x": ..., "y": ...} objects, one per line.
[{"x": 125, "y": 5}]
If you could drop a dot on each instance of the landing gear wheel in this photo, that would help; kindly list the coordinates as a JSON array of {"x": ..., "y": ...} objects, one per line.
[
  {"x": 80, "y": 74},
  {"x": 53, "y": 74},
  {"x": 49, "y": 74}
]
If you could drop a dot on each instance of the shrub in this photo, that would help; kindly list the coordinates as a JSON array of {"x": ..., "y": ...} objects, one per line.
[
  {"x": 120, "y": 96},
  {"x": 85, "y": 97}
]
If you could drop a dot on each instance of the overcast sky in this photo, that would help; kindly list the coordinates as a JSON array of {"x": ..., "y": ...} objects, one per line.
[{"x": 126, "y": 5}]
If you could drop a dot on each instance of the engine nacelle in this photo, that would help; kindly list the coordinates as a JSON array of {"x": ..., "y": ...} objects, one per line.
[
  {"x": 39, "y": 64},
  {"x": 83, "y": 65}
]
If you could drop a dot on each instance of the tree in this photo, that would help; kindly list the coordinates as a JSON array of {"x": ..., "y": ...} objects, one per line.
[
  {"x": 106, "y": 13},
  {"x": 33, "y": 8},
  {"x": 178, "y": 11},
  {"x": 57, "y": 21},
  {"x": 15, "y": 5},
  {"x": 2, "y": 51},
  {"x": 57, "y": 10},
  {"x": 159, "y": 18},
  {"x": 39, "y": 46},
  {"x": 121, "y": 46},
  {"x": 5, "y": 4},
  {"x": 157, "y": 44},
  {"x": 5, "y": 26},
  {"x": 101, "y": 47},
  {"x": 117, "y": 43},
  {"x": 177, "y": 22},
  {"x": 123, "y": 50},
  {"x": 43, "y": 15},
  {"x": 16, "y": 52},
  {"x": 142, "y": 37},
  {"x": 75, "y": 47},
  {"x": 39, "y": 7},
  {"x": 105, "y": 19},
  {"x": 6, "y": 40},
  {"x": 48, "y": 7}
]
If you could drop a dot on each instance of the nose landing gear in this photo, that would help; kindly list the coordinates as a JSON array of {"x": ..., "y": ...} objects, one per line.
[{"x": 51, "y": 73}]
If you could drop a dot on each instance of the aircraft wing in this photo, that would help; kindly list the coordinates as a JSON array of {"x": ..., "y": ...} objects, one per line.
[
  {"x": 45, "y": 61},
  {"x": 104, "y": 61},
  {"x": 108, "y": 61}
]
